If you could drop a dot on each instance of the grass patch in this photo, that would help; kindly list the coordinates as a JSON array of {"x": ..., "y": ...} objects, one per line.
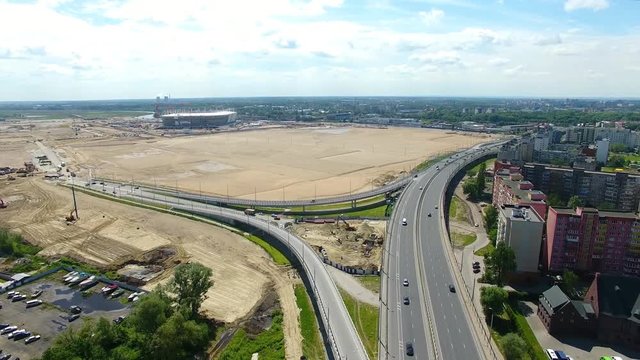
[
  {"x": 484, "y": 250},
  {"x": 275, "y": 254},
  {"x": 371, "y": 282},
  {"x": 462, "y": 240},
  {"x": 612, "y": 169},
  {"x": 269, "y": 343},
  {"x": 312, "y": 346},
  {"x": 427, "y": 163},
  {"x": 365, "y": 318},
  {"x": 339, "y": 207},
  {"x": 458, "y": 210}
]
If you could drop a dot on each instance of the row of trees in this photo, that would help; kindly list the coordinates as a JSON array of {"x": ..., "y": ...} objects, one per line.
[
  {"x": 491, "y": 223},
  {"x": 164, "y": 325}
]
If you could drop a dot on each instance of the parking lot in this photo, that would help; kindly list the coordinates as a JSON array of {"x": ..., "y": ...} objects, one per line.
[{"x": 51, "y": 317}]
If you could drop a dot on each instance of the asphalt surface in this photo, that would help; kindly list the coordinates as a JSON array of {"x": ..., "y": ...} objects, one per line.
[
  {"x": 341, "y": 331},
  {"x": 435, "y": 321}
]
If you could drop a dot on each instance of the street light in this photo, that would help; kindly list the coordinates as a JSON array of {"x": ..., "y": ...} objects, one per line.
[{"x": 491, "y": 326}]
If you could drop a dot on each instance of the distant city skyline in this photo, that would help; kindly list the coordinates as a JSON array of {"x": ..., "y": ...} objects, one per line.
[{"x": 84, "y": 50}]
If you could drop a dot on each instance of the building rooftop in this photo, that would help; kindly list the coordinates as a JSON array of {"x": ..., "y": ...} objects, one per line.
[
  {"x": 553, "y": 299},
  {"x": 515, "y": 188},
  {"x": 619, "y": 296},
  {"x": 611, "y": 214},
  {"x": 520, "y": 213}
]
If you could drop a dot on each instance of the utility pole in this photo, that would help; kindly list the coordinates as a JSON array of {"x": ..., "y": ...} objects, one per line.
[{"x": 75, "y": 205}]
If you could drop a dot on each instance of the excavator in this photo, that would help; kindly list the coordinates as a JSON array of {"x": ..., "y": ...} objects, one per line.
[
  {"x": 70, "y": 219},
  {"x": 348, "y": 227},
  {"x": 2, "y": 204}
]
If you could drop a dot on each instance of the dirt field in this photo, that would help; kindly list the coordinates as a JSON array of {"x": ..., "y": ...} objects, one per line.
[
  {"x": 306, "y": 162},
  {"x": 109, "y": 233},
  {"x": 347, "y": 247}
]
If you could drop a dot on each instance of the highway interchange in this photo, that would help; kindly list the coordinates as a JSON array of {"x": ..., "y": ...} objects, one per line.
[{"x": 435, "y": 321}]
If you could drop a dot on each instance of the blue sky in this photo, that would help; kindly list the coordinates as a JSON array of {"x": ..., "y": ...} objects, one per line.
[{"x": 106, "y": 49}]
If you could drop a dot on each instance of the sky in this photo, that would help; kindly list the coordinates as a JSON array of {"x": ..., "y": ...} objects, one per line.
[{"x": 121, "y": 49}]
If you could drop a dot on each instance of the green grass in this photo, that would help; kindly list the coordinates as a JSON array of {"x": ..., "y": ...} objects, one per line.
[
  {"x": 611, "y": 169},
  {"x": 275, "y": 254},
  {"x": 425, "y": 164},
  {"x": 365, "y": 318},
  {"x": 458, "y": 210},
  {"x": 484, "y": 250},
  {"x": 525, "y": 332},
  {"x": 269, "y": 343},
  {"x": 462, "y": 240},
  {"x": 312, "y": 346},
  {"x": 338, "y": 207},
  {"x": 371, "y": 282}
]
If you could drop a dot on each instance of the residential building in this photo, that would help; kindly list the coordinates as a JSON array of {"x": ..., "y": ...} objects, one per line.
[
  {"x": 589, "y": 240},
  {"x": 510, "y": 189},
  {"x": 619, "y": 191},
  {"x": 602, "y": 152},
  {"x": 562, "y": 316},
  {"x": 541, "y": 142},
  {"x": 616, "y": 304},
  {"x": 521, "y": 228},
  {"x": 618, "y": 136}
]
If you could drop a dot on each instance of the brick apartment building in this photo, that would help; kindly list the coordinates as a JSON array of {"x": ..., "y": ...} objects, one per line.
[
  {"x": 509, "y": 188},
  {"x": 589, "y": 240},
  {"x": 620, "y": 191},
  {"x": 562, "y": 316}
]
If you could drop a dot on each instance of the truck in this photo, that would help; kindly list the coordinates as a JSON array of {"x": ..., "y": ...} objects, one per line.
[{"x": 251, "y": 212}]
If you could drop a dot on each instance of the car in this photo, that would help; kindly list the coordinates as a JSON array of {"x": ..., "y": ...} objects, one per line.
[
  {"x": 10, "y": 294},
  {"x": 476, "y": 270},
  {"x": 119, "y": 319},
  {"x": 415, "y": 176},
  {"x": 117, "y": 293},
  {"x": 8, "y": 329},
  {"x": 452, "y": 288},
  {"x": 476, "y": 266},
  {"x": 404, "y": 221},
  {"x": 476, "y": 225},
  {"x": 18, "y": 297},
  {"x": 16, "y": 332},
  {"x": 73, "y": 317},
  {"x": 21, "y": 335},
  {"x": 4, "y": 325},
  {"x": 551, "y": 354},
  {"x": 5, "y": 357},
  {"x": 406, "y": 300},
  {"x": 74, "y": 309},
  {"x": 409, "y": 349},
  {"x": 405, "y": 282},
  {"x": 476, "y": 263},
  {"x": 31, "y": 339},
  {"x": 429, "y": 214},
  {"x": 561, "y": 355},
  {"x": 35, "y": 294},
  {"x": 436, "y": 207},
  {"x": 420, "y": 188}
]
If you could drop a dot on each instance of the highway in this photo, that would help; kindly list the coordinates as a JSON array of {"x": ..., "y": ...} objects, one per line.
[
  {"x": 435, "y": 321},
  {"x": 342, "y": 335}
]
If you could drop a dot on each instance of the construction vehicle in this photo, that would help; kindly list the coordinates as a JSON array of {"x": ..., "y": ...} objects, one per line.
[
  {"x": 348, "y": 227},
  {"x": 10, "y": 177},
  {"x": 70, "y": 219},
  {"x": 2, "y": 204},
  {"x": 251, "y": 212}
]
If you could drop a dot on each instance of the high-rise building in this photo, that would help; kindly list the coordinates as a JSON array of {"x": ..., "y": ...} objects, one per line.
[
  {"x": 509, "y": 188},
  {"x": 521, "y": 228},
  {"x": 602, "y": 151},
  {"x": 586, "y": 239}
]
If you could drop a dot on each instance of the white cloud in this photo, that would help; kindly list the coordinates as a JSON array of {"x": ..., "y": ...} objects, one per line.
[
  {"x": 499, "y": 61},
  {"x": 442, "y": 58},
  {"x": 547, "y": 40},
  {"x": 595, "y": 5},
  {"x": 431, "y": 17},
  {"x": 513, "y": 70}
]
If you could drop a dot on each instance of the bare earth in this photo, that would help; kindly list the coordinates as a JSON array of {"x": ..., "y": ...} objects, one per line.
[{"x": 271, "y": 164}]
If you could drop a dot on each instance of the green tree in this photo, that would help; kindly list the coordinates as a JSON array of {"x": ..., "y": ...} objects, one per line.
[
  {"x": 569, "y": 282},
  {"x": 490, "y": 217},
  {"x": 469, "y": 188},
  {"x": 493, "y": 299},
  {"x": 152, "y": 311},
  {"x": 618, "y": 148},
  {"x": 554, "y": 200},
  {"x": 480, "y": 180},
  {"x": 499, "y": 262},
  {"x": 575, "y": 201},
  {"x": 617, "y": 161},
  {"x": 514, "y": 347},
  {"x": 178, "y": 337},
  {"x": 190, "y": 284}
]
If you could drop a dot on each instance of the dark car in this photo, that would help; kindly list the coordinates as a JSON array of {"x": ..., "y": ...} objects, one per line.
[
  {"x": 406, "y": 300},
  {"x": 409, "y": 348},
  {"x": 74, "y": 309},
  {"x": 476, "y": 263},
  {"x": 119, "y": 319},
  {"x": 73, "y": 317},
  {"x": 476, "y": 270},
  {"x": 452, "y": 288},
  {"x": 429, "y": 215}
]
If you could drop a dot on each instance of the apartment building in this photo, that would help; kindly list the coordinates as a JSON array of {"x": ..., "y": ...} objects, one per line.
[
  {"x": 586, "y": 239},
  {"x": 521, "y": 228},
  {"x": 619, "y": 191},
  {"x": 509, "y": 188}
]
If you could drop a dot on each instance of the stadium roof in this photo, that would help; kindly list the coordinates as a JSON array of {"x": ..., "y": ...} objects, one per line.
[{"x": 206, "y": 114}]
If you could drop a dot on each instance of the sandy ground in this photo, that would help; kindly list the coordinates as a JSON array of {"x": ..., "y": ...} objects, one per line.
[
  {"x": 268, "y": 164},
  {"x": 346, "y": 247}
]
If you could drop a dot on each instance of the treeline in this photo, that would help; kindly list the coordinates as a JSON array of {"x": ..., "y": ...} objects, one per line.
[
  {"x": 557, "y": 117},
  {"x": 164, "y": 325}
]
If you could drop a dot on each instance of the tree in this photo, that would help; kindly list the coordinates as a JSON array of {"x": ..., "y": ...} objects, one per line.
[
  {"x": 570, "y": 281},
  {"x": 554, "y": 200},
  {"x": 179, "y": 337},
  {"x": 575, "y": 201},
  {"x": 190, "y": 283},
  {"x": 617, "y": 161},
  {"x": 499, "y": 262},
  {"x": 490, "y": 218},
  {"x": 493, "y": 299},
  {"x": 514, "y": 347},
  {"x": 470, "y": 188},
  {"x": 480, "y": 180},
  {"x": 618, "y": 148},
  {"x": 152, "y": 311}
]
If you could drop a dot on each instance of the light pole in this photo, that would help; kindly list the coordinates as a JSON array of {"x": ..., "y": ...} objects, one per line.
[{"x": 491, "y": 326}]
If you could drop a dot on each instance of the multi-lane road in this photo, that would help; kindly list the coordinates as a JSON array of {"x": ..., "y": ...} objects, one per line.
[{"x": 425, "y": 313}]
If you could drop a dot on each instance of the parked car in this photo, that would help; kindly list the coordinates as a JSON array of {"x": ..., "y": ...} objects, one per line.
[
  {"x": 74, "y": 309},
  {"x": 117, "y": 293},
  {"x": 3, "y": 325},
  {"x": 476, "y": 270},
  {"x": 73, "y": 317},
  {"x": 452, "y": 288},
  {"x": 31, "y": 339},
  {"x": 18, "y": 297},
  {"x": 8, "y": 329},
  {"x": 33, "y": 303},
  {"x": 14, "y": 333},
  {"x": 21, "y": 335},
  {"x": 36, "y": 294},
  {"x": 119, "y": 319}
]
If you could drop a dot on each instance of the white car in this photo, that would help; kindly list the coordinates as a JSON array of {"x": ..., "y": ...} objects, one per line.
[
  {"x": 551, "y": 354},
  {"x": 405, "y": 282},
  {"x": 404, "y": 221}
]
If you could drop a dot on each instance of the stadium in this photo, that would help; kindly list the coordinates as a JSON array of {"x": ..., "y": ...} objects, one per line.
[{"x": 198, "y": 120}]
